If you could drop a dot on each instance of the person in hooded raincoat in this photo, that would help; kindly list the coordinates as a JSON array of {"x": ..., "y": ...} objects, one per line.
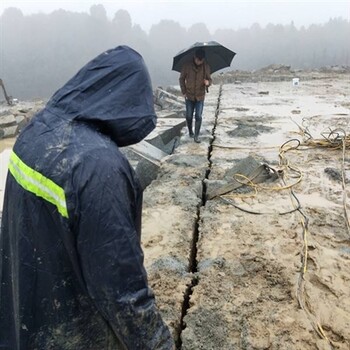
[{"x": 71, "y": 264}]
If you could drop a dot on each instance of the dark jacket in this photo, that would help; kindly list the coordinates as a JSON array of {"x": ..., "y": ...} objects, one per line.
[
  {"x": 192, "y": 80},
  {"x": 71, "y": 264}
]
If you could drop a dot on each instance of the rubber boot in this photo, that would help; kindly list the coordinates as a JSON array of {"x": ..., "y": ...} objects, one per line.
[
  {"x": 189, "y": 126},
  {"x": 197, "y": 128}
]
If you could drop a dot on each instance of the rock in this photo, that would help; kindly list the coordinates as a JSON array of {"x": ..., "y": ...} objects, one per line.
[
  {"x": 7, "y": 120},
  {"x": 167, "y": 100},
  {"x": 10, "y": 131}
]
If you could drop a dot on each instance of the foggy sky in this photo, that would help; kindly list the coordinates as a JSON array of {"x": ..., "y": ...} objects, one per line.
[{"x": 215, "y": 14}]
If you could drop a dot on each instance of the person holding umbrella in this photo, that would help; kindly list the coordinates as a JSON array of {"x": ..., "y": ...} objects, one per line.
[
  {"x": 196, "y": 63},
  {"x": 194, "y": 82}
]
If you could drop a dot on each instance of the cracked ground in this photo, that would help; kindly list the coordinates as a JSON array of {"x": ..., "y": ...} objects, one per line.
[{"x": 268, "y": 267}]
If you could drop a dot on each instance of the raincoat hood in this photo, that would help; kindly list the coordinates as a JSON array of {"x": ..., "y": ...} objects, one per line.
[{"x": 114, "y": 93}]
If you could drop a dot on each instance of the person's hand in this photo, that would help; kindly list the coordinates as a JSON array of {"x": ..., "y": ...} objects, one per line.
[{"x": 206, "y": 82}]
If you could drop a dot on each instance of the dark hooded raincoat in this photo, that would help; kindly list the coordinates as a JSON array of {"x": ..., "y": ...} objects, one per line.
[{"x": 71, "y": 264}]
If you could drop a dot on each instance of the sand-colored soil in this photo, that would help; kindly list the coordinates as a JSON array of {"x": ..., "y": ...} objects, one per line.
[{"x": 268, "y": 267}]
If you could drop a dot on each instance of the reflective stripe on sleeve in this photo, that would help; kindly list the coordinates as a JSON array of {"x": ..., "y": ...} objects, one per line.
[{"x": 38, "y": 184}]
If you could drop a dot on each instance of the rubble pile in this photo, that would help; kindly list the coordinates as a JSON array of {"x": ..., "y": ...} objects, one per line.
[
  {"x": 15, "y": 117},
  {"x": 277, "y": 72},
  {"x": 168, "y": 103},
  {"x": 169, "y": 99}
]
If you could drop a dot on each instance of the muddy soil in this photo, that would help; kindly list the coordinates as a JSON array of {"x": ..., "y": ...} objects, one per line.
[{"x": 267, "y": 268}]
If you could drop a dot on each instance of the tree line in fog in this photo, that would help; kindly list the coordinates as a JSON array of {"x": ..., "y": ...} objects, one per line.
[{"x": 40, "y": 52}]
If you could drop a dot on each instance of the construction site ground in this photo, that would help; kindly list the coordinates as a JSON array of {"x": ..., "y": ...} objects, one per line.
[{"x": 266, "y": 266}]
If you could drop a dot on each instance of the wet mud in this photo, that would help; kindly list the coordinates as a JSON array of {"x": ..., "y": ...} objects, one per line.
[{"x": 267, "y": 267}]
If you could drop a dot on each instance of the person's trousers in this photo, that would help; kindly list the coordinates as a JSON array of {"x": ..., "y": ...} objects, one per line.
[{"x": 195, "y": 107}]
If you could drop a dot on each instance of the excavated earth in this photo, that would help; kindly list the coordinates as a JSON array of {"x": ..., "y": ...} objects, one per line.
[{"x": 266, "y": 266}]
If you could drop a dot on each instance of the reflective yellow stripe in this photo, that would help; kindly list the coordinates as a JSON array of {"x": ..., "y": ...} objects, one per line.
[{"x": 38, "y": 184}]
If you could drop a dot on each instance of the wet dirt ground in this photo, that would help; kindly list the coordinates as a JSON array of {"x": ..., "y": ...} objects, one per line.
[{"x": 267, "y": 267}]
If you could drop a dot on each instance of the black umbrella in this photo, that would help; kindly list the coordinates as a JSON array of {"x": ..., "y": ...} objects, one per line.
[{"x": 216, "y": 55}]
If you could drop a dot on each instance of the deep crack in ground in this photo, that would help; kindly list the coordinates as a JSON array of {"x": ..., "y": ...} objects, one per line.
[{"x": 193, "y": 253}]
